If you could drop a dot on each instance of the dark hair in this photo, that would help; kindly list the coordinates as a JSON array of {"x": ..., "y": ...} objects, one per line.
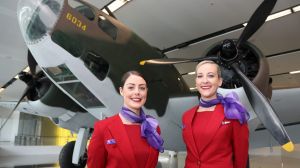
[{"x": 129, "y": 73}]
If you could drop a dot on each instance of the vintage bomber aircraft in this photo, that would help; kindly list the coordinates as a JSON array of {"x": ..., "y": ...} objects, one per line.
[{"x": 83, "y": 52}]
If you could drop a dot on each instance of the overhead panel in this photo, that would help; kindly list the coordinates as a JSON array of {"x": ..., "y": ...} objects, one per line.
[
  {"x": 284, "y": 63},
  {"x": 97, "y": 3},
  {"x": 278, "y": 35},
  {"x": 170, "y": 22}
]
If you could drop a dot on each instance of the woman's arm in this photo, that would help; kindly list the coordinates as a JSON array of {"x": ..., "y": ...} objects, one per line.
[
  {"x": 240, "y": 144},
  {"x": 97, "y": 154}
]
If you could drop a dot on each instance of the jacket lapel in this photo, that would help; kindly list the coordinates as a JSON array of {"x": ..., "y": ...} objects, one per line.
[
  {"x": 189, "y": 131},
  {"x": 118, "y": 131},
  {"x": 212, "y": 126}
]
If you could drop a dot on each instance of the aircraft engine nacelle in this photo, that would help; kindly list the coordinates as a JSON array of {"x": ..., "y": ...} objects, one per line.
[{"x": 252, "y": 63}]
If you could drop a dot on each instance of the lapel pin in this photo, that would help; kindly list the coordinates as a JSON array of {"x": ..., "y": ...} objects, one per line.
[{"x": 111, "y": 141}]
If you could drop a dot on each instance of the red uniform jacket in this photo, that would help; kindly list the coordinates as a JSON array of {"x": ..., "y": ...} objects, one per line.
[
  {"x": 110, "y": 147},
  {"x": 224, "y": 145}
]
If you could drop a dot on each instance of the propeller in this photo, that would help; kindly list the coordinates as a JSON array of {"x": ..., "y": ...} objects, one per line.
[
  {"x": 264, "y": 111},
  {"x": 31, "y": 63},
  {"x": 37, "y": 84},
  {"x": 230, "y": 55},
  {"x": 257, "y": 20},
  {"x": 176, "y": 60}
]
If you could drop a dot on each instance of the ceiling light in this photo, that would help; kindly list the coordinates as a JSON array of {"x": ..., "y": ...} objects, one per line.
[
  {"x": 296, "y": 8},
  {"x": 191, "y": 73},
  {"x": 115, "y": 5},
  {"x": 295, "y": 72},
  {"x": 27, "y": 69},
  {"x": 105, "y": 11},
  {"x": 279, "y": 14},
  {"x": 102, "y": 17},
  {"x": 193, "y": 88},
  {"x": 1, "y": 89}
]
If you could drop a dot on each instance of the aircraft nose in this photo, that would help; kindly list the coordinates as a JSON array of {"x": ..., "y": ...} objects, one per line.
[{"x": 37, "y": 17}]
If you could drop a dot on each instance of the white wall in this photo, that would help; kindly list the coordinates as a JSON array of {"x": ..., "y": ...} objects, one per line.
[{"x": 10, "y": 130}]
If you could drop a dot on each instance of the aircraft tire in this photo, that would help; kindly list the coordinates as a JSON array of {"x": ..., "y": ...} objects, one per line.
[{"x": 65, "y": 157}]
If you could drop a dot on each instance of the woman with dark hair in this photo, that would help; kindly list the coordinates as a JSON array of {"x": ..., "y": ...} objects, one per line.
[
  {"x": 129, "y": 139},
  {"x": 215, "y": 131}
]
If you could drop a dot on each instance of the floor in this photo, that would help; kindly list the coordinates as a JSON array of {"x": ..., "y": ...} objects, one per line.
[{"x": 47, "y": 156}]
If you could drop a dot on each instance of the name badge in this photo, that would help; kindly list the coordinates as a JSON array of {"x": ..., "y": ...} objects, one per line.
[{"x": 225, "y": 122}]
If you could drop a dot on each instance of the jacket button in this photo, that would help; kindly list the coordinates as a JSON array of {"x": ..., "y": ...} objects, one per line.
[{"x": 198, "y": 162}]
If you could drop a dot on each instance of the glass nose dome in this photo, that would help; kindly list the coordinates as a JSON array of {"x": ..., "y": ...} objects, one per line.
[{"x": 37, "y": 17}]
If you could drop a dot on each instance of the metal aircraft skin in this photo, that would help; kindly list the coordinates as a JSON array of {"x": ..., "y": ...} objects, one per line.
[{"x": 83, "y": 53}]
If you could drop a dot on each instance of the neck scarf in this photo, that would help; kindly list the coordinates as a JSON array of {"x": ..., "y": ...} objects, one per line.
[
  {"x": 233, "y": 109},
  {"x": 148, "y": 127}
]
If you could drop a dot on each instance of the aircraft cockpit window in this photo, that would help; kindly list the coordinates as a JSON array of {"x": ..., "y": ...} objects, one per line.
[
  {"x": 37, "y": 19},
  {"x": 83, "y": 9},
  {"x": 96, "y": 64},
  {"x": 72, "y": 85},
  {"x": 106, "y": 26},
  {"x": 61, "y": 73},
  {"x": 81, "y": 94}
]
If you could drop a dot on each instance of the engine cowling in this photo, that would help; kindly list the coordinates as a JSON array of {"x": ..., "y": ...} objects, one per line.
[{"x": 252, "y": 63}]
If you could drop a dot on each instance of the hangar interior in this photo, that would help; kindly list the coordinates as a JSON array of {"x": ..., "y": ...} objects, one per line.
[{"x": 179, "y": 29}]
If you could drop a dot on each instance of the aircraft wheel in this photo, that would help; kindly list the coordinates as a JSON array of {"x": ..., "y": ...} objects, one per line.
[{"x": 65, "y": 157}]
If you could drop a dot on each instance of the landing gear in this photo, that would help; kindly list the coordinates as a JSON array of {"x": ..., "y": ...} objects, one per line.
[
  {"x": 74, "y": 153},
  {"x": 66, "y": 154},
  {"x": 173, "y": 159}
]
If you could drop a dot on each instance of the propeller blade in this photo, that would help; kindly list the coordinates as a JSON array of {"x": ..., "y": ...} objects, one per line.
[
  {"x": 257, "y": 20},
  {"x": 11, "y": 81},
  {"x": 264, "y": 111},
  {"x": 22, "y": 97},
  {"x": 44, "y": 79},
  {"x": 169, "y": 61},
  {"x": 11, "y": 113},
  {"x": 31, "y": 63}
]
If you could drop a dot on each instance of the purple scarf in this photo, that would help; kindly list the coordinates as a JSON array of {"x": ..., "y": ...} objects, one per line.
[
  {"x": 148, "y": 127},
  {"x": 233, "y": 109}
]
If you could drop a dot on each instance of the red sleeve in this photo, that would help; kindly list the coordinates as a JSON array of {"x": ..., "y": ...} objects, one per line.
[
  {"x": 97, "y": 154},
  {"x": 240, "y": 144}
]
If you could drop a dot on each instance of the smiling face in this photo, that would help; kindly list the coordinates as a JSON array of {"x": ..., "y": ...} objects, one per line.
[
  {"x": 208, "y": 79},
  {"x": 134, "y": 92}
]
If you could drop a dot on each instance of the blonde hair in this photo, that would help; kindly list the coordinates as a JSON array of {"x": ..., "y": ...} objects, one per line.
[{"x": 209, "y": 62}]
